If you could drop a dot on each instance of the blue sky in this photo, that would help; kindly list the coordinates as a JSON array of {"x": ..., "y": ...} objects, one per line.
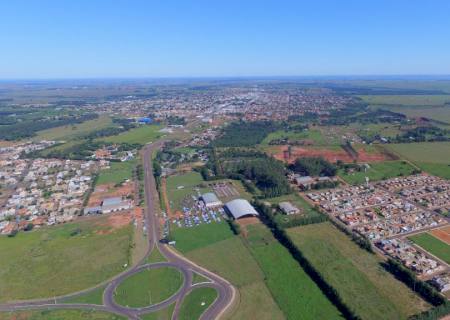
[{"x": 99, "y": 38}]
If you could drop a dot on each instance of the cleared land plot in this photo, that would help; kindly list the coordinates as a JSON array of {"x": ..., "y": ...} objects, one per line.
[
  {"x": 378, "y": 171},
  {"x": 74, "y": 131},
  {"x": 188, "y": 239},
  {"x": 356, "y": 274},
  {"x": 142, "y": 135},
  {"x": 293, "y": 290},
  {"x": 117, "y": 172},
  {"x": 433, "y": 245},
  {"x": 148, "y": 287},
  {"x": 443, "y": 234},
  {"x": 196, "y": 302},
  {"x": 62, "y": 259},
  {"x": 59, "y": 315}
]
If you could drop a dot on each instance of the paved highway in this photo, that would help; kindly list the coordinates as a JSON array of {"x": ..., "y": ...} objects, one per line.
[{"x": 226, "y": 292}]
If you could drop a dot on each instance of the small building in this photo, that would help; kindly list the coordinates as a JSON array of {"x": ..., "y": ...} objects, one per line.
[
  {"x": 288, "y": 208},
  {"x": 114, "y": 204},
  {"x": 240, "y": 208},
  {"x": 92, "y": 210},
  {"x": 304, "y": 182},
  {"x": 111, "y": 201},
  {"x": 210, "y": 200}
]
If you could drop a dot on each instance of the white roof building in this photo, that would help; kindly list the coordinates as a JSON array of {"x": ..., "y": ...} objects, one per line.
[
  {"x": 239, "y": 208},
  {"x": 210, "y": 200}
]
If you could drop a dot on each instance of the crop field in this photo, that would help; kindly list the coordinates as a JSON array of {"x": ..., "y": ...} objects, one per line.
[
  {"x": 117, "y": 173},
  {"x": 356, "y": 274},
  {"x": 62, "y": 259},
  {"x": 378, "y": 171},
  {"x": 407, "y": 100},
  {"x": 293, "y": 290},
  {"x": 196, "y": 302},
  {"x": 148, "y": 287},
  {"x": 440, "y": 113},
  {"x": 71, "y": 132},
  {"x": 59, "y": 315},
  {"x": 244, "y": 273},
  {"x": 188, "y": 239},
  {"x": 433, "y": 245},
  {"x": 142, "y": 135}
]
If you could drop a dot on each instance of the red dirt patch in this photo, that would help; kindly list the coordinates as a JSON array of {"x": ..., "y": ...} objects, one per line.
[
  {"x": 282, "y": 153},
  {"x": 442, "y": 234}
]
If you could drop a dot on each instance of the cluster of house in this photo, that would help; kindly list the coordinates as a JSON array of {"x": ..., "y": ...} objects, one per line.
[
  {"x": 50, "y": 191},
  {"x": 430, "y": 192},
  {"x": 441, "y": 282},
  {"x": 375, "y": 212},
  {"x": 387, "y": 211},
  {"x": 112, "y": 152},
  {"x": 412, "y": 258}
]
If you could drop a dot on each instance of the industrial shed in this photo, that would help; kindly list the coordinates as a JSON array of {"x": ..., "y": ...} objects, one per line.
[
  {"x": 239, "y": 208},
  {"x": 210, "y": 200}
]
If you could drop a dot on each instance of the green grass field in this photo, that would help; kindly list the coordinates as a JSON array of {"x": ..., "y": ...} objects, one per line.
[
  {"x": 59, "y": 315},
  {"x": 356, "y": 274},
  {"x": 164, "y": 314},
  {"x": 71, "y": 132},
  {"x": 378, "y": 171},
  {"x": 314, "y": 135},
  {"x": 148, "y": 287},
  {"x": 432, "y": 157},
  {"x": 93, "y": 297},
  {"x": 407, "y": 100},
  {"x": 232, "y": 260},
  {"x": 196, "y": 302},
  {"x": 296, "y": 200},
  {"x": 180, "y": 186},
  {"x": 293, "y": 290},
  {"x": 142, "y": 135},
  {"x": 188, "y": 239},
  {"x": 61, "y": 259},
  {"x": 432, "y": 244},
  {"x": 118, "y": 172}
]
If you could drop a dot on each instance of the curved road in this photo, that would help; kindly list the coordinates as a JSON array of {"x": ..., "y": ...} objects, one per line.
[{"x": 226, "y": 292}]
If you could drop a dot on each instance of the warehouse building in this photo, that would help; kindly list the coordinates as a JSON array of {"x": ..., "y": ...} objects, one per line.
[
  {"x": 210, "y": 200},
  {"x": 239, "y": 208},
  {"x": 288, "y": 208}
]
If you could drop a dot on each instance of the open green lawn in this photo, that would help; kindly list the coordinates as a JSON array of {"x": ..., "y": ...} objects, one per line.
[
  {"x": 428, "y": 152},
  {"x": 118, "y": 172},
  {"x": 356, "y": 274},
  {"x": 293, "y": 290},
  {"x": 142, "y": 135},
  {"x": 432, "y": 244},
  {"x": 180, "y": 186},
  {"x": 431, "y": 157},
  {"x": 378, "y": 171},
  {"x": 61, "y": 259},
  {"x": 164, "y": 314},
  {"x": 196, "y": 302},
  {"x": 71, "y": 132},
  {"x": 440, "y": 113},
  {"x": 93, "y": 297},
  {"x": 148, "y": 287},
  {"x": 59, "y": 315},
  {"x": 314, "y": 135},
  {"x": 231, "y": 259},
  {"x": 188, "y": 239}
]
